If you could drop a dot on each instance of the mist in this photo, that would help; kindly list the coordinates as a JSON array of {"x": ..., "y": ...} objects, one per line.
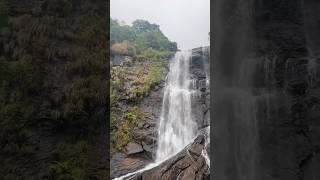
[{"x": 186, "y": 22}]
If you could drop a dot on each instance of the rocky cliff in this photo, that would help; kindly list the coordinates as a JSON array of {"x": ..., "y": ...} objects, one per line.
[
  {"x": 191, "y": 162},
  {"x": 265, "y": 90},
  {"x": 141, "y": 147},
  {"x": 136, "y": 154},
  {"x": 200, "y": 73}
]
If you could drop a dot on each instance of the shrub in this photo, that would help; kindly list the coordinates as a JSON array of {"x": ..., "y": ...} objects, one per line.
[
  {"x": 155, "y": 54},
  {"x": 123, "y": 48},
  {"x": 116, "y": 88},
  {"x": 133, "y": 118},
  {"x": 147, "y": 78},
  {"x": 122, "y": 135}
]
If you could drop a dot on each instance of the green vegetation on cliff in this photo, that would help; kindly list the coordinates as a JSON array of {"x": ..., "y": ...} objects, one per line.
[
  {"x": 131, "y": 80},
  {"x": 139, "y": 79},
  {"x": 129, "y": 84},
  {"x": 133, "y": 118}
]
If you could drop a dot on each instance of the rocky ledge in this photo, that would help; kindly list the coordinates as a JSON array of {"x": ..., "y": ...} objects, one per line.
[{"x": 189, "y": 164}]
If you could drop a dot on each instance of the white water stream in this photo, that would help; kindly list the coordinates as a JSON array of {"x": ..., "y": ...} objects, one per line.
[{"x": 177, "y": 128}]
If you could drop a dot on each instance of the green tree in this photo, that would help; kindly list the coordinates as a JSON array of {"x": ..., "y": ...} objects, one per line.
[
  {"x": 144, "y": 26},
  {"x": 142, "y": 34},
  {"x": 120, "y": 33}
]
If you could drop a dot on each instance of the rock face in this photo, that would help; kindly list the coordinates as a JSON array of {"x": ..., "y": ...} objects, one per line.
[
  {"x": 199, "y": 70},
  {"x": 124, "y": 163},
  {"x": 133, "y": 148},
  {"x": 189, "y": 164},
  {"x": 118, "y": 59},
  {"x": 136, "y": 158},
  {"x": 265, "y": 90}
]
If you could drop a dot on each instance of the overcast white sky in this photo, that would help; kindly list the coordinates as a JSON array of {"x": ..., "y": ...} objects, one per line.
[{"x": 186, "y": 22}]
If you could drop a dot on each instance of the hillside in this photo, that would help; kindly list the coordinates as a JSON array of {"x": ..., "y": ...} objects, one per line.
[
  {"x": 53, "y": 93},
  {"x": 139, "y": 58}
]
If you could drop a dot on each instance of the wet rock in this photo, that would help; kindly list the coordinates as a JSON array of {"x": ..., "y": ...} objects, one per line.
[
  {"x": 199, "y": 71},
  {"x": 208, "y": 148},
  {"x": 146, "y": 125},
  {"x": 187, "y": 164},
  {"x": 133, "y": 148},
  {"x": 200, "y": 139},
  {"x": 122, "y": 164},
  {"x": 148, "y": 147}
]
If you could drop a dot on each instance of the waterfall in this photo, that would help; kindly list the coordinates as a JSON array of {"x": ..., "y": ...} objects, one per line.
[{"x": 176, "y": 128}]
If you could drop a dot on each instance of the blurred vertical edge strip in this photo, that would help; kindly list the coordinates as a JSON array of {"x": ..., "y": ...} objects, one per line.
[
  {"x": 212, "y": 143},
  {"x": 54, "y": 89},
  {"x": 108, "y": 93}
]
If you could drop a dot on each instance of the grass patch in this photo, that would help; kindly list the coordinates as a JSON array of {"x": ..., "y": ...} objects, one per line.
[
  {"x": 140, "y": 80},
  {"x": 143, "y": 80},
  {"x": 133, "y": 118}
]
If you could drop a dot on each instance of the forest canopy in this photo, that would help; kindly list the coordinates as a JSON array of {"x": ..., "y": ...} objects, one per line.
[{"x": 142, "y": 35}]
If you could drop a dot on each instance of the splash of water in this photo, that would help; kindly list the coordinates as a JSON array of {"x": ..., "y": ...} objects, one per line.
[{"x": 177, "y": 127}]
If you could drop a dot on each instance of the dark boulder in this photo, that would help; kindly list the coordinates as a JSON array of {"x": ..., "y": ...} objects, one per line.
[
  {"x": 122, "y": 164},
  {"x": 188, "y": 164}
]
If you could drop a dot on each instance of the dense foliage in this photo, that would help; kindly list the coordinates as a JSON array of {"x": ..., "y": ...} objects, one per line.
[
  {"x": 142, "y": 34},
  {"x": 53, "y": 88},
  {"x": 129, "y": 84}
]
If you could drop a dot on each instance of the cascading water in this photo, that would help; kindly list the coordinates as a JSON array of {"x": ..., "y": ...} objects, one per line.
[{"x": 176, "y": 128}]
